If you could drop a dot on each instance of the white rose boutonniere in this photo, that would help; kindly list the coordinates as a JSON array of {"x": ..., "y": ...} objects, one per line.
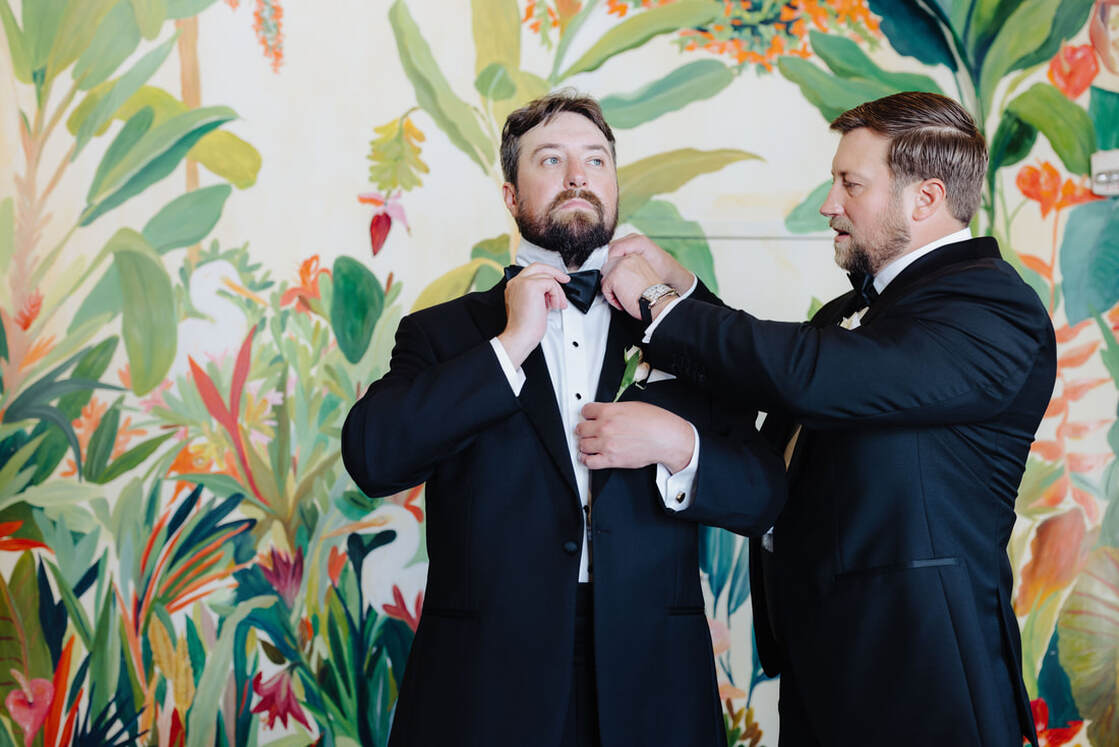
[{"x": 637, "y": 371}]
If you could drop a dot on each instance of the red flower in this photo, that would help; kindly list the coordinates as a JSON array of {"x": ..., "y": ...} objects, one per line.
[
  {"x": 30, "y": 311},
  {"x": 399, "y": 609},
  {"x": 29, "y": 704},
  {"x": 1047, "y": 737},
  {"x": 388, "y": 209},
  {"x": 1072, "y": 69},
  {"x": 16, "y": 544},
  {"x": 278, "y": 698},
  {"x": 285, "y": 574}
]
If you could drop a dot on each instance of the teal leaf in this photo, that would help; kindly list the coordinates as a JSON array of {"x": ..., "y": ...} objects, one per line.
[
  {"x": 828, "y": 93},
  {"x": 116, "y": 39},
  {"x": 740, "y": 579},
  {"x": 717, "y": 557},
  {"x": 695, "y": 81},
  {"x": 433, "y": 93},
  {"x": 1103, "y": 109},
  {"x": 356, "y": 306},
  {"x": 154, "y": 157},
  {"x": 1067, "y": 127},
  {"x": 120, "y": 92},
  {"x": 187, "y": 219},
  {"x": 1090, "y": 259},
  {"x": 150, "y": 323},
  {"x": 494, "y": 83},
  {"x": 805, "y": 217},
  {"x": 914, "y": 31},
  {"x": 135, "y": 128},
  {"x": 101, "y": 443},
  {"x": 846, "y": 59},
  {"x": 683, "y": 239}
]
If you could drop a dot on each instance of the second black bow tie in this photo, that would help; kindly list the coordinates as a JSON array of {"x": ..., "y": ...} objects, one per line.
[
  {"x": 580, "y": 290},
  {"x": 864, "y": 287}
]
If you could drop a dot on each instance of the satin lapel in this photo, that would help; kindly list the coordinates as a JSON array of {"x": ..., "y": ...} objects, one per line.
[
  {"x": 538, "y": 397},
  {"x": 622, "y": 334}
]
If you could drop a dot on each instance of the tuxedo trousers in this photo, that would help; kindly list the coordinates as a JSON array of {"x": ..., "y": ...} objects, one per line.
[{"x": 581, "y": 725}]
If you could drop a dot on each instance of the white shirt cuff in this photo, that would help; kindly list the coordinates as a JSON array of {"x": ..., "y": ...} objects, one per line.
[
  {"x": 515, "y": 375},
  {"x": 677, "y": 489},
  {"x": 652, "y": 327}
]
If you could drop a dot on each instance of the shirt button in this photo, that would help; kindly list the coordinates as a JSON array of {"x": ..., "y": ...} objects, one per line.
[
  {"x": 578, "y": 396},
  {"x": 680, "y": 496},
  {"x": 570, "y": 547},
  {"x": 574, "y": 344}
]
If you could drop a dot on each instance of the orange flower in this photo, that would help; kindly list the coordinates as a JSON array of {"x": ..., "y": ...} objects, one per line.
[
  {"x": 334, "y": 564},
  {"x": 1073, "y": 69},
  {"x": 308, "y": 288},
  {"x": 1045, "y": 187},
  {"x": 38, "y": 351},
  {"x": 30, "y": 310},
  {"x": 268, "y": 25}
]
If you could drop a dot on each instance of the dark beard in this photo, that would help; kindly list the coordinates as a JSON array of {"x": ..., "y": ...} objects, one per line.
[{"x": 574, "y": 238}]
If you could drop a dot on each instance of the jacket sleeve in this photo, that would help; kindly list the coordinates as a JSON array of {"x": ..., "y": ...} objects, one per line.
[
  {"x": 423, "y": 410},
  {"x": 949, "y": 355}
]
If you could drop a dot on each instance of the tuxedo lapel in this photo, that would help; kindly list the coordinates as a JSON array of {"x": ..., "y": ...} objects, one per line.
[
  {"x": 622, "y": 334},
  {"x": 537, "y": 397}
]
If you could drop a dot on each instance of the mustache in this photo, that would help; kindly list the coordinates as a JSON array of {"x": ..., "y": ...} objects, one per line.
[
  {"x": 839, "y": 224},
  {"x": 577, "y": 194}
]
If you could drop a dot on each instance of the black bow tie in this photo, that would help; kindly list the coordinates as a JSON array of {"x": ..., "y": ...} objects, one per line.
[
  {"x": 580, "y": 290},
  {"x": 864, "y": 287}
]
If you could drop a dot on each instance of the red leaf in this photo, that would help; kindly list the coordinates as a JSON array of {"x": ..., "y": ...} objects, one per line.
[
  {"x": 379, "y": 231},
  {"x": 210, "y": 397},
  {"x": 241, "y": 373},
  {"x": 1048, "y": 450},
  {"x": 1078, "y": 356},
  {"x": 1066, "y": 333},
  {"x": 61, "y": 675}
]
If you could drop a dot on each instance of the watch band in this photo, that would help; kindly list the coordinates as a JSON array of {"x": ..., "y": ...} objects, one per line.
[{"x": 650, "y": 296}]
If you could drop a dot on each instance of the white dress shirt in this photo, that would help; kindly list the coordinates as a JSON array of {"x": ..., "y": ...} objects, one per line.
[{"x": 574, "y": 347}]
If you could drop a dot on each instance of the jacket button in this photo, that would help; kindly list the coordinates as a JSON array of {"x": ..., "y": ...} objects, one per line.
[{"x": 570, "y": 547}]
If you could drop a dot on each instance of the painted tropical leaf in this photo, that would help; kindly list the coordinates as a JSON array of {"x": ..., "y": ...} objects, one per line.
[
  {"x": 76, "y": 30},
  {"x": 355, "y": 307},
  {"x": 116, "y": 39},
  {"x": 497, "y": 34},
  {"x": 1089, "y": 644},
  {"x": 187, "y": 219},
  {"x": 452, "y": 284},
  {"x": 694, "y": 81},
  {"x": 666, "y": 172},
  {"x": 683, "y": 239},
  {"x": 1067, "y": 126},
  {"x": 22, "y": 643},
  {"x": 150, "y": 322},
  {"x": 805, "y": 217},
  {"x": 847, "y": 60},
  {"x": 1089, "y": 259}
]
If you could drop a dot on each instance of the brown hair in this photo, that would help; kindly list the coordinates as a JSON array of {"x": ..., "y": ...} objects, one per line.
[
  {"x": 931, "y": 136},
  {"x": 541, "y": 111}
]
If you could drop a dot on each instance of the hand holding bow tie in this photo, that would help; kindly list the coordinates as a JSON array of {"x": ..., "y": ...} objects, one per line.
[{"x": 529, "y": 297}]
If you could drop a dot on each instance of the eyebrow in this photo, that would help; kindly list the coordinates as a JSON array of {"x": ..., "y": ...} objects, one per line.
[{"x": 561, "y": 146}]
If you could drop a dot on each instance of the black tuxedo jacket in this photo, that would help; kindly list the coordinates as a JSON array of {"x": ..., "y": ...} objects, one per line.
[
  {"x": 491, "y": 663},
  {"x": 889, "y": 588}
]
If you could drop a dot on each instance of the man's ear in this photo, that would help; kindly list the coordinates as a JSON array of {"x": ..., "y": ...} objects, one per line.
[
  {"x": 509, "y": 193},
  {"x": 931, "y": 196}
]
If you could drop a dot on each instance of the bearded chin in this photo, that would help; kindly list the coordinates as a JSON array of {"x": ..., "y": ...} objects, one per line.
[{"x": 573, "y": 239}]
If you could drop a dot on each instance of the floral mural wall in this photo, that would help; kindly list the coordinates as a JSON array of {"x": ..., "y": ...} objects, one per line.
[{"x": 213, "y": 214}]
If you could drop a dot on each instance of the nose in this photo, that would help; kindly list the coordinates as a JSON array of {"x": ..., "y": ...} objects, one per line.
[
  {"x": 575, "y": 178},
  {"x": 831, "y": 207}
]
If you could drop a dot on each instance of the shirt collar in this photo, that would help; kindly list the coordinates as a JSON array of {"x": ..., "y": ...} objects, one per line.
[
  {"x": 527, "y": 253},
  {"x": 886, "y": 275}
]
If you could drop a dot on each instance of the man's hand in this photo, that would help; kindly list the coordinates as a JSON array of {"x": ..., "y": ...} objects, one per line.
[
  {"x": 664, "y": 265},
  {"x": 623, "y": 281},
  {"x": 528, "y": 298},
  {"x": 630, "y": 435}
]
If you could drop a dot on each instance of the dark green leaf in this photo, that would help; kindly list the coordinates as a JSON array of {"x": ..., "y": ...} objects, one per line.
[
  {"x": 683, "y": 239},
  {"x": 101, "y": 444},
  {"x": 915, "y": 31},
  {"x": 356, "y": 306},
  {"x": 1069, "y": 19},
  {"x": 187, "y": 219},
  {"x": 805, "y": 217},
  {"x": 1090, "y": 259},
  {"x": 1013, "y": 141},
  {"x": 1103, "y": 108},
  {"x": 1067, "y": 127},
  {"x": 135, "y": 128},
  {"x": 695, "y": 81},
  {"x": 132, "y": 458}
]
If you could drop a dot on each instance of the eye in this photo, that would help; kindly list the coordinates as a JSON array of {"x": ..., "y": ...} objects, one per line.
[
  {"x": 597, "y": 161},
  {"x": 551, "y": 160}
]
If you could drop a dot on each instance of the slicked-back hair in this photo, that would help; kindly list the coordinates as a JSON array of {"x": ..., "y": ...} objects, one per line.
[
  {"x": 931, "y": 136},
  {"x": 541, "y": 111}
]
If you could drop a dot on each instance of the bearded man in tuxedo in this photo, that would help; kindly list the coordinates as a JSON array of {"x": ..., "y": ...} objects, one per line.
[
  {"x": 563, "y": 603},
  {"x": 906, "y": 409}
]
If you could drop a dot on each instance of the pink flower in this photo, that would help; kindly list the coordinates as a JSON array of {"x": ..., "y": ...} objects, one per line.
[
  {"x": 278, "y": 698},
  {"x": 29, "y": 705},
  {"x": 285, "y": 574}
]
